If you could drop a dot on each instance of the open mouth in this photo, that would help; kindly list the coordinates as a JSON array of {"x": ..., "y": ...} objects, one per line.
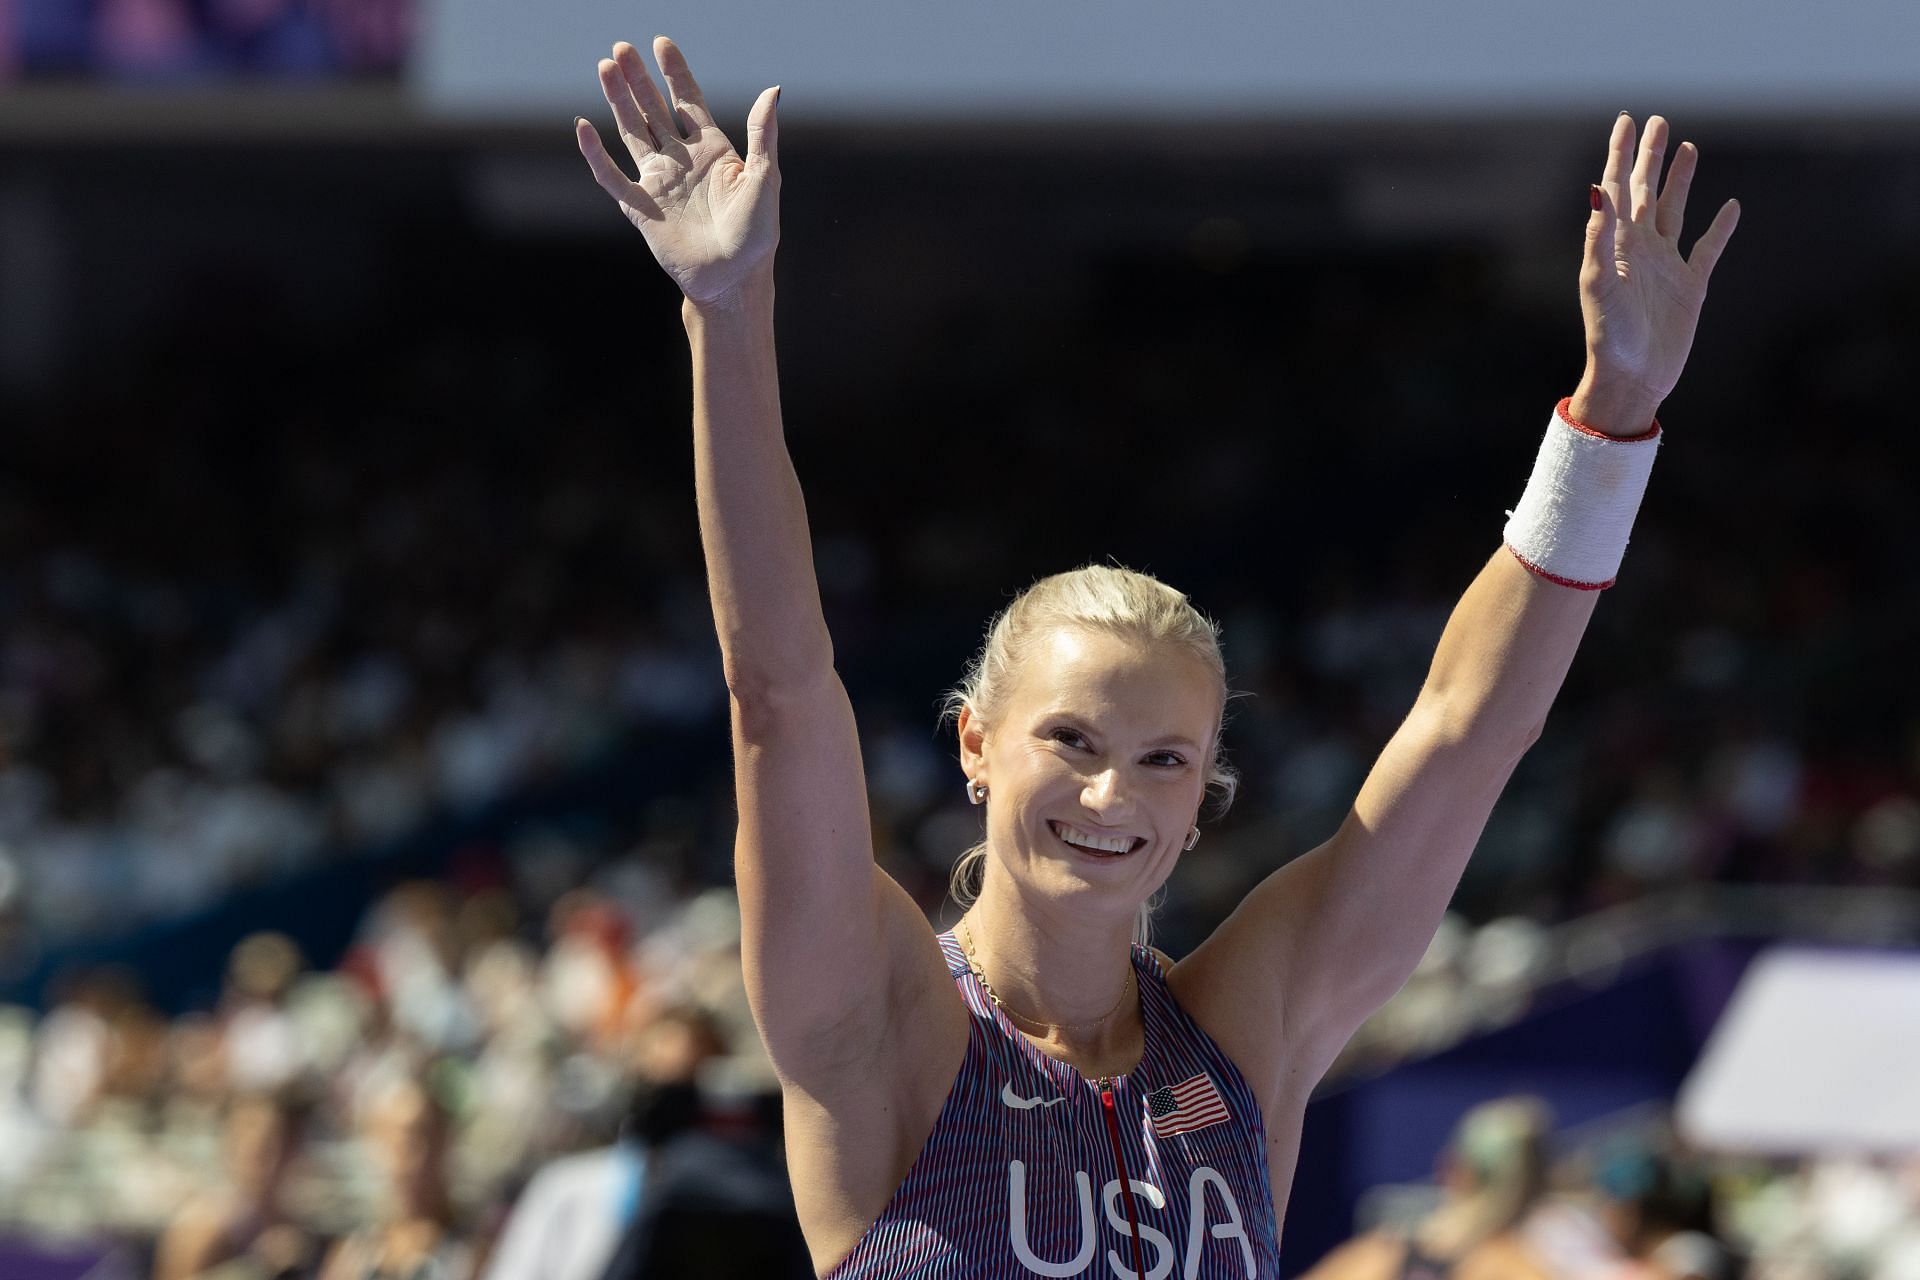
[{"x": 1092, "y": 843}]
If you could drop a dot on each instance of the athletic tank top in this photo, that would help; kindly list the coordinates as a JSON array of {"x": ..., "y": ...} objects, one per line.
[{"x": 1022, "y": 1174}]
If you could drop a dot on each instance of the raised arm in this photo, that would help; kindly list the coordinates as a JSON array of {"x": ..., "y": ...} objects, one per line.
[
  {"x": 814, "y": 907},
  {"x": 1328, "y": 938}
]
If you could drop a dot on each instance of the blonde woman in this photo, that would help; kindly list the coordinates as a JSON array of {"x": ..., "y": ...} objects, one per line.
[
  {"x": 1034, "y": 1093},
  {"x": 1493, "y": 1175}
]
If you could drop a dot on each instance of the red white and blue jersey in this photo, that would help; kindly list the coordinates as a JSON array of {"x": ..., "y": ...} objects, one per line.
[{"x": 1034, "y": 1170}]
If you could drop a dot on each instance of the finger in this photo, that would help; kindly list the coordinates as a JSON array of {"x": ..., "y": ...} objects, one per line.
[
  {"x": 1713, "y": 241},
  {"x": 626, "y": 112},
  {"x": 1646, "y": 171},
  {"x": 763, "y": 131},
  {"x": 1597, "y": 265},
  {"x": 694, "y": 115},
  {"x": 1672, "y": 214},
  {"x": 645, "y": 92},
  {"x": 1619, "y": 160},
  {"x": 607, "y": 173}
]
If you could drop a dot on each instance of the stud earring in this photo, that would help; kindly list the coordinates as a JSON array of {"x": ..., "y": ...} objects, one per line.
[
  {"x": 976, "y": 792},
  {"x": 1193, "y": 838}
]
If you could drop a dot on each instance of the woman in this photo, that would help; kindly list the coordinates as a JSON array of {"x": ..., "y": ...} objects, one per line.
[
  {"x": 1492, "y": 1176},
  {"x": 1033, "y": 1094},
  {"x": 419, "y": 1235},
  {"x": 244, "y": 1229}
]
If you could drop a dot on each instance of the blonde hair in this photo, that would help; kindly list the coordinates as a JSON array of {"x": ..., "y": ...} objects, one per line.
[
  {"x": 1505, "y": 1146},
  {"x": 1105, "y": 598}
]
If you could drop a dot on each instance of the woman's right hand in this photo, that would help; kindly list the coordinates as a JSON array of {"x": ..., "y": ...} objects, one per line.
[{"x": 711, "y": 218}]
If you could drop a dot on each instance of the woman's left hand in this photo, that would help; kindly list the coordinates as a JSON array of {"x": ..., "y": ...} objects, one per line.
[{"x": 1640, "y": 298}]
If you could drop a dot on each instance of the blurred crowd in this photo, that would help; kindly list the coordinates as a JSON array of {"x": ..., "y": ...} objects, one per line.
[
  {"x": 395, "y": 1106},
  {"x": 500, "y": 1095},
  {"x": 288, "y": 588},
  {"x": 1511, "y": 1200},
  {"x": 197, "y": 41},
  {"x": 396, "y": 602},
  {"x": 399, "y": 635}
]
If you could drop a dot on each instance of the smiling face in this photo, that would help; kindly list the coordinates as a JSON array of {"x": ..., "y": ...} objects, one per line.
[{"x": 1096, "y": 764}]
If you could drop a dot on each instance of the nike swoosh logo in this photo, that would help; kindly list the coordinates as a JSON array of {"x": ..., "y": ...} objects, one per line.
[{"x": 1018, "y": 1103}]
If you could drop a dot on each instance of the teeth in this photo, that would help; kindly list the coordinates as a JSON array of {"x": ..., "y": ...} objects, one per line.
[{"x": 1087, "y": 840}]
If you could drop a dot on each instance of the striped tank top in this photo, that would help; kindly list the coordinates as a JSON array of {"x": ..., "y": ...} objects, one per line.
[{"x": 1034, "y": 1170}]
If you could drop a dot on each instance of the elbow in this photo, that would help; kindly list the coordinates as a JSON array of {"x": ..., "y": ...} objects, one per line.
[
  {"x": 1485, "y": 730},
  {"x": 759, "y": 668},
  {"x": 767, "y": 700}
]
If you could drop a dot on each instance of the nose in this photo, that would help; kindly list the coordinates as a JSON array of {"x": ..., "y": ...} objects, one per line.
[{"x": 1106, "y": 794}]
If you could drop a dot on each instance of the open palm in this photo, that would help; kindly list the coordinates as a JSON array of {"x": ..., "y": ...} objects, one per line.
[
  {"x": 1640, "y": 298},
  {"x": 710, "y": 217}
]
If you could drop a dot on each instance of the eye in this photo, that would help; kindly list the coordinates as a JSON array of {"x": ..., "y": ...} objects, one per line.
[
  {"x": 1069, "y": 737},
  {"x": 1167, "y": 759}
]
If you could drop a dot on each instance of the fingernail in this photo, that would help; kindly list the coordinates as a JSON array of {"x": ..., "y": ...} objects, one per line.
[
  {"x": 776, "y": 95},
  {"x": 1622, "y": 113},
  {"x": 578, "y": 121},
  {"x": 1593, "y": 197}
]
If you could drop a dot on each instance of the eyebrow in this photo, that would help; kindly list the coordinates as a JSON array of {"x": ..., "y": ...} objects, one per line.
[
  {"x": 1174, "y": 741},
  {"x": 1166, "y": 740}
]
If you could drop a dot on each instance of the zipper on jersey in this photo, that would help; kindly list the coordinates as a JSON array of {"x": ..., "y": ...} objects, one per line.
[{"x": 1126, "y": 1183}]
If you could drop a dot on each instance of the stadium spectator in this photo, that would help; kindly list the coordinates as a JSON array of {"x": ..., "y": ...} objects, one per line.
[
  {"x": 418, "y": 1230},
  {"x": 1493, "y": 1175},
  {"x": 576, "y": 1210},
  {"x": 244, "y": 1229}
]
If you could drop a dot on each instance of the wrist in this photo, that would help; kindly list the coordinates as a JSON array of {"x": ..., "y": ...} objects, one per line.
[
  {"x": 751, "y": 296},
  {"x": 1572, "y": 523},
  {"x": 1612, "y": 405}
]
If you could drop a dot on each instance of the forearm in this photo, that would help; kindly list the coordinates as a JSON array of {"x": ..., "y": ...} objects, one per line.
[
  {"x": 1503, "y": 656},
  {"x": 753, "y": 519}
]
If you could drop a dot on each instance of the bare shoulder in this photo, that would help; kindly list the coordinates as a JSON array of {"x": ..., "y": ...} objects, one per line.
[
  {"x": 1232, "y": 1001},
  {"x": 1235, "y": 985},
  {"x": 1368, "y": 1257},
  {"x": 1501, "y": 1258},
  {"x": 855, "y": 1125}
]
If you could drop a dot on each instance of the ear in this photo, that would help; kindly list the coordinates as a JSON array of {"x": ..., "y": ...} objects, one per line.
[{"x": 973, "y": 743}]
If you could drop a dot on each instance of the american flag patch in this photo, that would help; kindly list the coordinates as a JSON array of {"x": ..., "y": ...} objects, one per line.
[{"x": 1184, "y": 1107}]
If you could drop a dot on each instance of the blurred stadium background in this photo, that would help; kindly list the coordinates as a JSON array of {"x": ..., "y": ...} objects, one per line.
[{"x": 361, "y": 726}]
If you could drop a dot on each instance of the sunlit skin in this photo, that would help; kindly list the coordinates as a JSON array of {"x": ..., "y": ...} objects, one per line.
[{"x": 1113, "y": 738}]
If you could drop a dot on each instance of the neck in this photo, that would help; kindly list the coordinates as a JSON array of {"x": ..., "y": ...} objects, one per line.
[{"x": 1059, "y": 978}]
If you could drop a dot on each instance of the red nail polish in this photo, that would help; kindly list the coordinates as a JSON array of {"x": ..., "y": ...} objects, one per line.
[{"x": 1593, "y": 197}]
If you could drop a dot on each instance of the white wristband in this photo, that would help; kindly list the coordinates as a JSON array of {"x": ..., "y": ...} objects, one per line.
[{"x": 1571, "y": 524}]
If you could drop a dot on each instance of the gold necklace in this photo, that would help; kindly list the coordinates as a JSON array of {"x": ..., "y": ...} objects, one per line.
[{"x": 1126, "y": 985}]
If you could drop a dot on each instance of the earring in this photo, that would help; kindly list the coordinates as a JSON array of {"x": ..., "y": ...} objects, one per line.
[
  {"x": 1193, "y": 838},
  {"x": 976, "y": 792}
]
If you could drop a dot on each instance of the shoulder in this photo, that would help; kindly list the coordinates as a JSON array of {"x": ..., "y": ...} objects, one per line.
[
  {"x": 1501, "y": 1258},
  {"x": 1370, "y": 1257}
]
